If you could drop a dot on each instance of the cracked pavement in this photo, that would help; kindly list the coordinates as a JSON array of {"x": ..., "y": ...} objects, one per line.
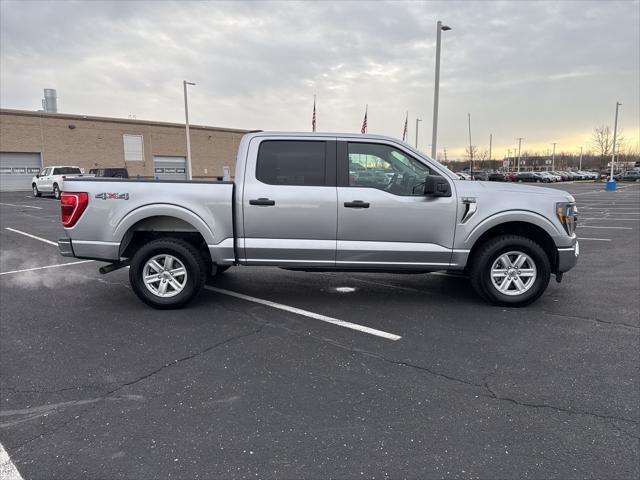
[{"x": 96, "y": 385}]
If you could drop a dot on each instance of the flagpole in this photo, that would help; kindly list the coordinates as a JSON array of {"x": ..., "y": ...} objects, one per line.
[{"x": 313, "y": 120}]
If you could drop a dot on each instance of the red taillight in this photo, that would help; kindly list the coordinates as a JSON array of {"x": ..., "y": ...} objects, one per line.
[{"x": 72, "y": 205}]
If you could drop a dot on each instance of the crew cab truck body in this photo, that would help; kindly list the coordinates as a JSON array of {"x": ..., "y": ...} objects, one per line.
[
  {"x": 51, "y": 180},
  {"x": 303, "y": 202}
]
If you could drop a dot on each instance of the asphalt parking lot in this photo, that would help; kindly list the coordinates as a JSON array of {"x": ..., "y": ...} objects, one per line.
[{"x": 94, "y": 384}]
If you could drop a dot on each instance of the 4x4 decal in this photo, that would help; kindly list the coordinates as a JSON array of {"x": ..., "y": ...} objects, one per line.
[{"x": 113, "y": 196}]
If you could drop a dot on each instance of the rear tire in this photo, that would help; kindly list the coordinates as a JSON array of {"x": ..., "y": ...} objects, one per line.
[
  {"x": 167, "y": 286},
  {"x": 36, "y": 192},
  {"x": 497, "y": 277},
  {"x": 56, "y": 191}
]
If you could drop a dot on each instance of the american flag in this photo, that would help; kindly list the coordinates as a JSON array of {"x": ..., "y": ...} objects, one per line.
[
  {"x": 313, "y": 118},
  {"x": 363, "y": 130},
  {"x": 406, "y": 125}
]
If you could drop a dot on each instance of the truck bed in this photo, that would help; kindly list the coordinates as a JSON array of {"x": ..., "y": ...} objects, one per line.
[{"x": 118, "y": 207}]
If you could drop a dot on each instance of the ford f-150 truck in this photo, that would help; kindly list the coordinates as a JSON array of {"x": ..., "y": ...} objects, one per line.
[
  {"x": 51, "y": 180},
  {"x": 323, "y": 202}
]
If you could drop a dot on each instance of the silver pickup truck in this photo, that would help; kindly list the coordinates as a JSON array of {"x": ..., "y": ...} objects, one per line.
[{"x": 323, "y": 202}]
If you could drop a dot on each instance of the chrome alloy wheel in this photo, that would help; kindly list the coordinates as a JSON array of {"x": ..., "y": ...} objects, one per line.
[
  {"x": 164, "y": 275},
  {"x": 513, "y": 273}
]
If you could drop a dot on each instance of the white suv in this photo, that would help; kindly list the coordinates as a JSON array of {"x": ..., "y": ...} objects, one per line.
[{"x": 51, "y": 180}]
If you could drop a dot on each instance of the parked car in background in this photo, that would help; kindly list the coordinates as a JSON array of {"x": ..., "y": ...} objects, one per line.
[
  {"x": 631, "y": 175},
  {"x": 547, "y": 177},
  {"x": 481, "y": 175},
  {"x": 497, "y": 177},
  {"x": 110, "y": 172},
  {"x": 564, "y": 176},
  {"x": 529, "y": 177},
  {"x": 464, "y": 176},
  {"x": 51, "y": 180}
]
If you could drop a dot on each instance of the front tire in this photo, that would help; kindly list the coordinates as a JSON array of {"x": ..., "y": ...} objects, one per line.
[
  {"x": 510, "y": 270},
  {"x": 56, "y": 191},
  {"x": 36, "y": 192},
  {"x": 167, "y": 273}
]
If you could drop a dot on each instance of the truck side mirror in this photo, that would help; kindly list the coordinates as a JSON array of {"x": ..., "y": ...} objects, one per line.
[
  {"x": 37, "y": 175},
  {"x": 436, "y": 186}
]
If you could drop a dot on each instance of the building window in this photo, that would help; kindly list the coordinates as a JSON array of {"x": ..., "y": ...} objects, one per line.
[{"x": 133, "y": 148}]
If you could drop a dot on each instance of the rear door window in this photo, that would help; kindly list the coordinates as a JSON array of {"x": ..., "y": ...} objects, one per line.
[
  {"x": 66, "y": 171},
  {"x": 289, "y": 162}
]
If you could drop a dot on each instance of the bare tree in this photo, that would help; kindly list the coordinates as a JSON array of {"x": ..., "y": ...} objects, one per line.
[
  {"x": 471, "y": 152},
  {"x": 602, "y": 143}
]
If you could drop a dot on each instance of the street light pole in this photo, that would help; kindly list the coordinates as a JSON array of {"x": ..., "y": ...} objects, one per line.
[
  {"x": 470, "y": 148},
  {"x": 519, "y": 148},
  {"x": 186, "y": 118},
  {"x": 580, "y": 167},
  {"x": 615, "y": 133},
  {"x": 490, "y": 144},
  {"x": 436, "y": 88},
  {"x": 553, "y": 158},
  {"x": 417, "y": 120}
]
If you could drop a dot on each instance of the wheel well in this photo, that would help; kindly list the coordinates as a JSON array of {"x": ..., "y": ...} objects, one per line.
[
  {"x": 523, "y": 229},
  {"x": 152, "y": 228}
]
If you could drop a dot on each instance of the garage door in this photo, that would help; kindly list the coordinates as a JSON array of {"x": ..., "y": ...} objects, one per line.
[
  {"x": 170, "y": 168},
  {"x": 16, "y": 170}
]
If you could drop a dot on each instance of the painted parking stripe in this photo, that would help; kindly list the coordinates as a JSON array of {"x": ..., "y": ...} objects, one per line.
[
  {"x": 25, "y": 206},
  {"x": 8, "y": 470},
  {"x": 57, "y": 265},
  {"x": 306, "y": 313},
  {"x": 32, "y": 236},
  {"x": 595, "y": 239},
  {"x": 613, "y": 219},
  {"x": 613, "y": 228}
]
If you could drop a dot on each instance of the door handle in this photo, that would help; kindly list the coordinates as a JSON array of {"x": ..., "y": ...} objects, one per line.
[
  {"x": 264, "y": 202},
  {"x": 356, "y": 204}
]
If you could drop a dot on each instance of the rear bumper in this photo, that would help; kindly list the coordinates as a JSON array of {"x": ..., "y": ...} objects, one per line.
[
  {"x": 65, "y": 247},
  {"x": 568, "y": 257},
  {"x": 93, "y": 250}
]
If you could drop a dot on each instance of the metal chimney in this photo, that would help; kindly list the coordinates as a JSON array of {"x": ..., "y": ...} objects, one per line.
[{"x": 50, "y": 102}]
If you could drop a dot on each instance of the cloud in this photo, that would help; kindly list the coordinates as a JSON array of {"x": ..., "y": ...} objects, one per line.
[{"x": 535, "y": 69}]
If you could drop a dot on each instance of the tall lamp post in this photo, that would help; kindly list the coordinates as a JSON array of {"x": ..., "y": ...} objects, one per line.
[
  {"x": 580, "y": 165},
  {"x": 470, "y": 148},
  {"x": 436, "y": 88},
  {"x": 611, "y": 184},
  {"x": 186, "y": 118},
  {"x": 519, "y": 149},
  {"x": 417, "y": 120},
  {"x": 553, "y": 158}
]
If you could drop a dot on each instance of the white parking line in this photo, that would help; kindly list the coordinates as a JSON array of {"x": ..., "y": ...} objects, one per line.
[
  {"x": 8, "y": 470},
  {"x": 25, "y": 206},
  {"x": 613, "y": 228},
  {"x": 46, "y": 266},
  {"x": 595, "y": 239},
  {"x": 32, "y": 236},
  {"x": 613, "y": 219},
  {"x": 306, "y": 313}
]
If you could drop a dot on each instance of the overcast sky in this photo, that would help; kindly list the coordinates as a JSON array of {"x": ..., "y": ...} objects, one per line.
[{"x": 547, "y": 71}]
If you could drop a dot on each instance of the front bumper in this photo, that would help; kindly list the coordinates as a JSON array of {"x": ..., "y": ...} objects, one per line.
[
  {"x": 65, "y": 247},
  {"x": 568, "y": 257}
]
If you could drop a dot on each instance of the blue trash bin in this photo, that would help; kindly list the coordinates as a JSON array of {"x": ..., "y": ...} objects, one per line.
[{"x": 611, "y": 185}]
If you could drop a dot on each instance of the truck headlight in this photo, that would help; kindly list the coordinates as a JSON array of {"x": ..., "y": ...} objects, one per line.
[{"x": 567, "y": 213}]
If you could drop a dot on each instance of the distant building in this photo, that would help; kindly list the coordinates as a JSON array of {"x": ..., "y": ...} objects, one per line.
[{"x": 32, "y": 140}]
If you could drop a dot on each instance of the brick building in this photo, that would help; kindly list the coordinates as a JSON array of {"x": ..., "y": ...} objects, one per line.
[{"x": 32, "y": 140}]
